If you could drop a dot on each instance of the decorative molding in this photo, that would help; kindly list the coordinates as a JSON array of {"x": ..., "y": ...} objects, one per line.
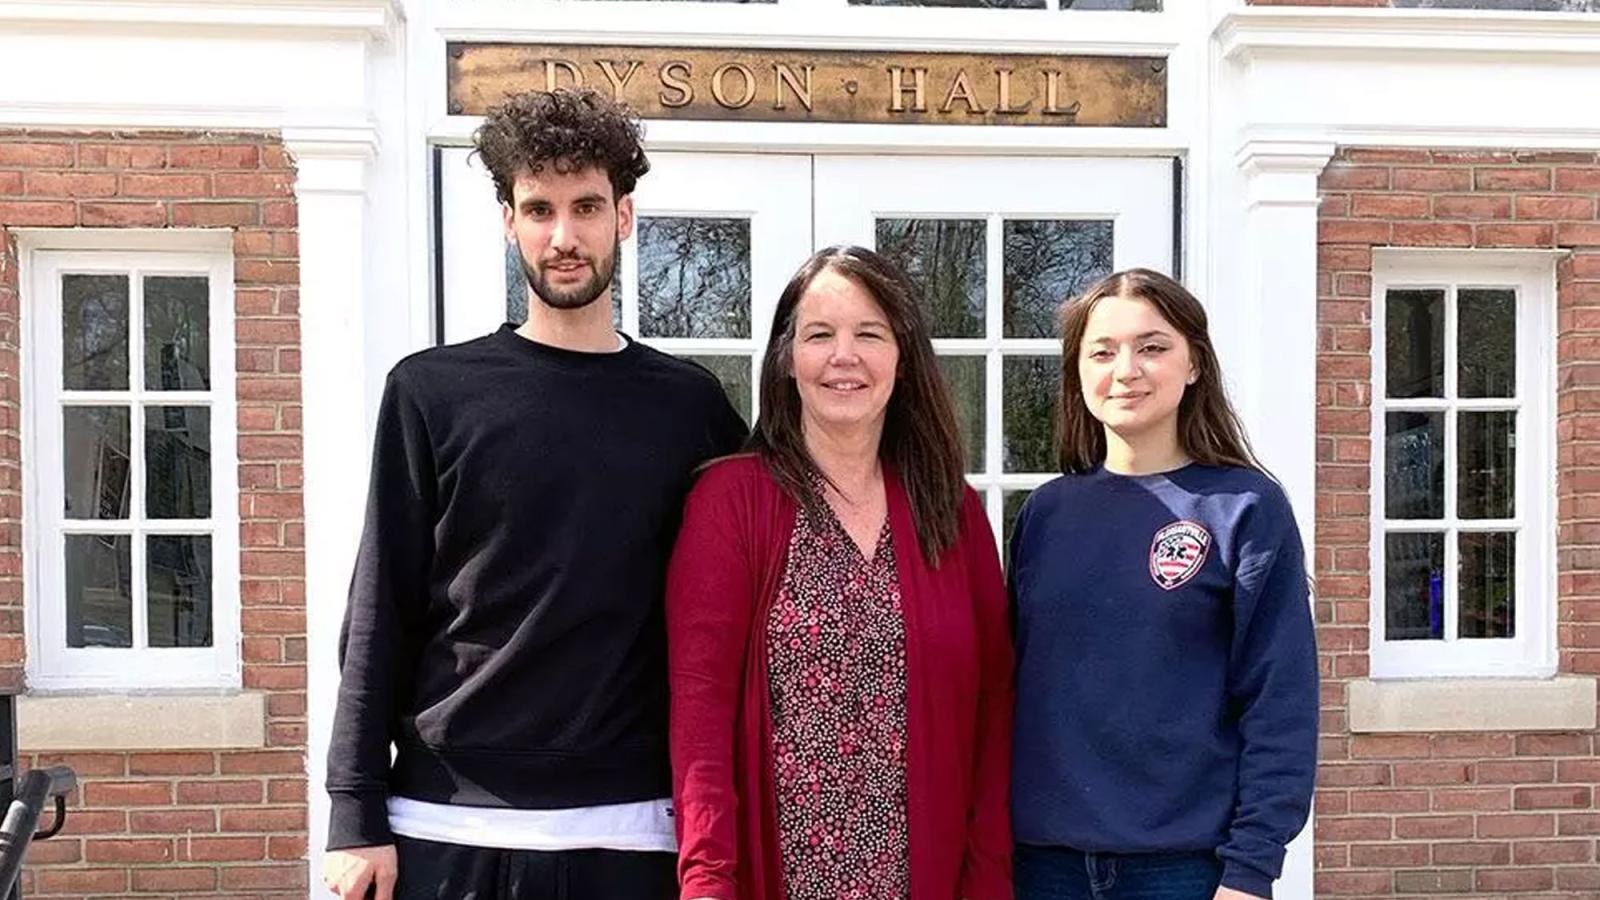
[
  {"x": 375, "y": 20},
  {"x": 1282, "y": 173},
  {"x": 780, "y": 26},
  {"x": 1244, "y": 33},
  {"x": 1522, "y": 137},
  {"x": 1563, "y": 703},
  {"x": 99, "y": 117}
]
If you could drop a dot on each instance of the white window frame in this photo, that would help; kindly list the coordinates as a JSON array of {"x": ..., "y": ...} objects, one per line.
[
  {"x": 51, "y": 665},
  {"x": 1531, "y": 652}
]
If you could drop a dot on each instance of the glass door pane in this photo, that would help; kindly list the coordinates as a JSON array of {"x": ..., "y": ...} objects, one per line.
[{"x": 994, "y": 246}]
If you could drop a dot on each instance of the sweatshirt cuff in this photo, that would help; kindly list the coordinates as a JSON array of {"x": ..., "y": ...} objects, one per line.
[
  {"x": 1243, "y": 878},
  {"x": 358, "y": 820}
]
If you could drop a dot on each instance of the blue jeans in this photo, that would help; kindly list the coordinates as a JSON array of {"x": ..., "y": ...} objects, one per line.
[{"x": 1057, "y": 873}]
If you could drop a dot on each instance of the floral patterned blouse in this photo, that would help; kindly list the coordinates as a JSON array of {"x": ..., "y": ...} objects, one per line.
[{"x": 837, "y": 668}]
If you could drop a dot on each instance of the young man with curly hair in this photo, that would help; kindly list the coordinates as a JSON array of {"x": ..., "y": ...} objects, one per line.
[{"x": 504, "y": 637}]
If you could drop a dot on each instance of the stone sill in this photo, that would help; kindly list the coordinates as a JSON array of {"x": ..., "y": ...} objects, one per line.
[
  {"x": 1563, "y": 703},
  {"x": 118, "y": 722}
]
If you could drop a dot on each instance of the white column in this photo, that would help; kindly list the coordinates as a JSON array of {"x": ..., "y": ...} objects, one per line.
[
  {"x": 1276, "y": 368},
  {"x": 331, "y": 190}
]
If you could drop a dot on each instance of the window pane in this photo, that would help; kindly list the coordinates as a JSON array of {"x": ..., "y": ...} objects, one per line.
[
  {"x": 985, "y": 4},
  {"x": 94, "y": 332},
  {"x": 1486, "y": 333},
  {"x": 1538, "y": 5},
  {"x": 95, "y": 444},
  {"x": 1488, "y": 578},
  {"x": 965, "y": 377},
  {"x": 99, "y": 591},
  {"x": 1128, "y": 5},
  {"x": 177, "y": 462},
  {"x": 694, "y": 277},
  {"x": 945, "y": 259},
  {"x": 1486, "y": 444},
  {"x": 1047, "y": 262},
  {"x": 1011, "y": 502},
  {"x": 177, "y": 334},
  {"x": 1031, "y": 386},
  {"x": 734, "y": 373},
  {"x": 517, "y": 289},
  {"x": 1414, "y": 339},
  {"x": 1413, "y": 575},
  {"x": 179, "y": 583},
  {"x": 1414, "y": 465}
]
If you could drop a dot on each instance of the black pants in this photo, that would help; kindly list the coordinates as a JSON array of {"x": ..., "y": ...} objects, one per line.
[{"x": 432, "y": 871}]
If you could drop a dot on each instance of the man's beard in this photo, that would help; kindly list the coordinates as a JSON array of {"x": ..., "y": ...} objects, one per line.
[{"x": 600, "y": 275}]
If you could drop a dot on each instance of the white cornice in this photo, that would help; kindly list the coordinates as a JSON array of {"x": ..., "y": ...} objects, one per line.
[
  {"x": 112, "y": 117},
  {"x": 1251, "y": 31},
  {"x": 800, "y": 27},
  {"x": 373, "y": 19}
]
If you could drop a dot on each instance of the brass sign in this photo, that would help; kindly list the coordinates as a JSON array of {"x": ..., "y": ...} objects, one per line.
[{"x": 823, "y": 85}]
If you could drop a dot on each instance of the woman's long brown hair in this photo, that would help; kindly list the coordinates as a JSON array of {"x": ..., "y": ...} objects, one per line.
[
  {"x": 921, "y": 439},
  {"x": 1209, "y": 431}
]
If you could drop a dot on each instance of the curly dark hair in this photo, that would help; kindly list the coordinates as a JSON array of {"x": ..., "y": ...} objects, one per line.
[{"x": 568, "y": 129}]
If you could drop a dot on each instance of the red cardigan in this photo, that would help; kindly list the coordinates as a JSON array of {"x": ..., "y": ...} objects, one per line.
[{"x": 725, "y": 574}]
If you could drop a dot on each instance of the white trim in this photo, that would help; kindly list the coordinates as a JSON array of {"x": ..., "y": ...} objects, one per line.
[
  {"x": 1532, "y": 651},
  {"x": 51, "y": 665},
  {"x": 830, "y": 138},
  {"x": 803, "y": 25},
  {"x": 375, "y": 19},
  {"x": 1250, "y": 32}
]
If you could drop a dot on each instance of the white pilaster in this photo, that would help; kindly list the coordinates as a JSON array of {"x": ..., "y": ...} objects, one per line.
[
  {"x": 331, "y": 190},
  {"x": 1277, "y": 359}
]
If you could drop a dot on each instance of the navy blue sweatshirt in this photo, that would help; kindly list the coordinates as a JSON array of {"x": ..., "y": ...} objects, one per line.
[{"x": 1167, "y": 672}]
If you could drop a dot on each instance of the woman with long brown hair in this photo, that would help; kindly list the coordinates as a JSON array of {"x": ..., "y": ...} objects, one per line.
[
  {"x": 838, "y": 650},
  {"x": 1166, "y": 721}
]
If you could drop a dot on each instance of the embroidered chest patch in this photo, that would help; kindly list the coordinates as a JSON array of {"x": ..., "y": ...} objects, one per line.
[{"x": 1177, "y": 553}]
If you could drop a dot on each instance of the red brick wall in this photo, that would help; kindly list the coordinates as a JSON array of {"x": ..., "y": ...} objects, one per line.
[
  {"x": 200, "y": 821},
  {"x": 1488, "y": 814}
]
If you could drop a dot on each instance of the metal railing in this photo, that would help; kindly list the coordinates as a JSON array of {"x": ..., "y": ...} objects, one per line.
[{"x": 25, "y": 802}]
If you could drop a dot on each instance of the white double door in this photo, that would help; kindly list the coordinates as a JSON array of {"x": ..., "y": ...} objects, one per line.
[{"x": 993, "y": 245}]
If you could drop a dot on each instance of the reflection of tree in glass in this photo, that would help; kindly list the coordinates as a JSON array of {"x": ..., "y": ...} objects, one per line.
[
  {"x": 1413, "y": 586},
  {"x": 1413, "y": 465},
  {"x": 1486, "y": 455},
  {"x": 177, "y": 334},
  {"x": 1488, "y": 601},
  {"x": 517, "y": 289},
  {"x": 95, "y": 332},
  {"x": 1486, "y": 342},
  {"x": 178, "y": 590},
  {"x": 1414, "y": 339},
  {"x": 734, "y": 374},
  {"x": 1047, "y": 262},
  {"x": 1126, "y": 5},
  {"x": 945, "y": 260},
  {"x": 965, "y": 376},
  {"x": 694, "y": 277},
  {"x": 1012, "y": 502},
  {"x": 1031, "y": 386},
  {"x": 178, "y": 462}
]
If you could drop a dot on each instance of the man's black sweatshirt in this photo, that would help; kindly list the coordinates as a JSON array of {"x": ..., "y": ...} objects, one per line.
[{"x": 504, "y": 630}]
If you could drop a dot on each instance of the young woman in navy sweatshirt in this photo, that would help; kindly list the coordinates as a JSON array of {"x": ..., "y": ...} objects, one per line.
[{"x": 1166, "y": 717}]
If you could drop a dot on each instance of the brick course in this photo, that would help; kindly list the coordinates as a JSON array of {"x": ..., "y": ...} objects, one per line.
[
  {"x": 1493, "y": 814},
  {"x": 192, "y": 822}
]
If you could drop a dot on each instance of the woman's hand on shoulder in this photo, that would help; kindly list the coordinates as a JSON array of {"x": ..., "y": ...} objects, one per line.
[{"x": 1227, "y": 893}]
